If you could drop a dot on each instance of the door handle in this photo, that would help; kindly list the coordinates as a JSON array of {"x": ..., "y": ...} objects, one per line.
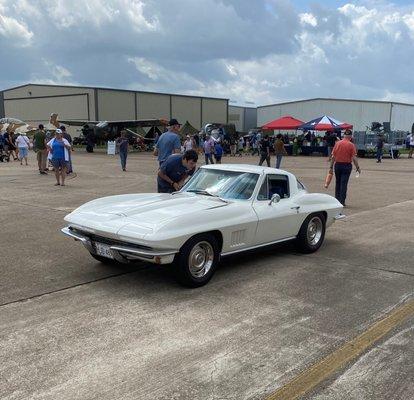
[{"x": 295, "y": 208}]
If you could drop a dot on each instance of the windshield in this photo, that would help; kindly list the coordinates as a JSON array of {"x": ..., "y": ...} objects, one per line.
[{"x": 225, "y": 184}]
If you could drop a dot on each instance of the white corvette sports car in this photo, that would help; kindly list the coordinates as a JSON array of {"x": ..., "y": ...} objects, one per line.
[{"x": 223, "y": 209}]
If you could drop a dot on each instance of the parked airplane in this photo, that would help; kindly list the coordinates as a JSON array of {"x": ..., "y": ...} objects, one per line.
[
  {"x": 109, "y": 130},
  {"x": 14, "y": 125}
]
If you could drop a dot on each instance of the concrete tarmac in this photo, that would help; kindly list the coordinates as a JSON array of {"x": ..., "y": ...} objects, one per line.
[{"x": 72, "y": 328}]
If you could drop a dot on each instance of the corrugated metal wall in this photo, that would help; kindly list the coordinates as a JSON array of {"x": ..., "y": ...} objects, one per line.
[
  {"x": 244, "y": 118},
  {"x": 402, "y": 117},
  {"x": 214, "y": 110},
  {"x": 39, "y": 109},
  {"x": 358, "y": 113},
  {"x": 2, "y": 112},
  {"x": 250, "y": 119},
  {"x": 35, "y": 103},
  {"x": 153, "y": 105},
  {"x": 186, "y": 109},
  {"x": 115, "y": 105},
  {"x": 48, "y": 94},
  {"x": 236, "y": 117}
]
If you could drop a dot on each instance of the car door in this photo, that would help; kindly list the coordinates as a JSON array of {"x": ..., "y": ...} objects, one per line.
[{"x": 276, "y": 220}]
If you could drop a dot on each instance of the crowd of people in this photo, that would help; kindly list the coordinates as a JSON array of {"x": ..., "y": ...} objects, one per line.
[
  {"x": 53, "y": 150},
  {"x": 177, "y": 159}
]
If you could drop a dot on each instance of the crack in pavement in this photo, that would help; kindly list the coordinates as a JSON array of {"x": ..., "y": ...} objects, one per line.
[
  {"x": 356, "y": 265},
  {"x": 60, "y": 209},
  {"x": 71, "y": 287}
]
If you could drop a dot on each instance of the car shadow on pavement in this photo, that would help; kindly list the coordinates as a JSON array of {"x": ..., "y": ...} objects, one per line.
[{"x": 162, "y": 276}]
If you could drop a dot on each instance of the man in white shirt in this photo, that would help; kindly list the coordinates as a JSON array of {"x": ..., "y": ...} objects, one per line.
[
  {"x": 22, "y": 143},
  {"x": 189, "y": 143}
]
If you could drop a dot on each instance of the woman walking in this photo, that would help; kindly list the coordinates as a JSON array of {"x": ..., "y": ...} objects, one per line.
[
  {"x": 59, "y": 149},
  {"x": 23, "y": 144}
]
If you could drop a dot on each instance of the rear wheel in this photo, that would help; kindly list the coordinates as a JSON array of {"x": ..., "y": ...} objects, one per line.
[
  {"x": 197, "y": 260},
  {"x": 311, "y": 233}
]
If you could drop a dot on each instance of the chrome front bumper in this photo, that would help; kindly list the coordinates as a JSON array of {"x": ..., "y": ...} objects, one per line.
[
  {"x": 124, "y": 253},
  {"x": 339, "y": 217}
]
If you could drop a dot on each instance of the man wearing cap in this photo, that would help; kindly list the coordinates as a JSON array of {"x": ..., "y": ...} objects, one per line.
[
  {"x": 175, "y": 170},
  {"x": 343, "y": 155},
  {"x": 169, "y": 142}
]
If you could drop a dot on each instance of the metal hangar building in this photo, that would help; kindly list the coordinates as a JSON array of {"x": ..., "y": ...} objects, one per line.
[
  {"x": 359, "y": 113},
  {"x": 33, "y": 103}
]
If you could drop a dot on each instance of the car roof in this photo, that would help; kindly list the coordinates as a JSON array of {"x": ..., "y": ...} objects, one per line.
[{"x": 257, "y": 169}]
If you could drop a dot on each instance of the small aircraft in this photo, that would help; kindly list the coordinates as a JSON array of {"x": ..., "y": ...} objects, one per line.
[
  {"x": 108, "y": 130},
  {"x": 14, "y": 125}
]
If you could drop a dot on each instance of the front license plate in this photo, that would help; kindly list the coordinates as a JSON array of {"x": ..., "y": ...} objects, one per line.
[{"x": 103, "y": 250}]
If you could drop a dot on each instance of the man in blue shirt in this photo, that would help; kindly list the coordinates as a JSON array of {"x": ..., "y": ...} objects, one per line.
[
  {"x": 175, "y": 170},
  {"x": 169, "y": 142}
]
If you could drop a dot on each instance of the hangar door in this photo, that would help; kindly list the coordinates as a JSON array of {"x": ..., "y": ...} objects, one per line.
[
  {"x": 186, "y": 109},
  {"x": 38, "y": 109}
]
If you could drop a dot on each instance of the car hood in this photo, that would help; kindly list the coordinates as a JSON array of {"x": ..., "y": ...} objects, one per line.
[{"x": 141, "y": 214}]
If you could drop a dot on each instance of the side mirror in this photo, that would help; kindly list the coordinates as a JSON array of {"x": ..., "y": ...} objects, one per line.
[{"x": 275, "y": 199}]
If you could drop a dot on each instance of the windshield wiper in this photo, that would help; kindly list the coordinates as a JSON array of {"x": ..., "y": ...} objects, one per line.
[
  {"x": 202, "y": 191},
  {"x": 206, "y": 193}
]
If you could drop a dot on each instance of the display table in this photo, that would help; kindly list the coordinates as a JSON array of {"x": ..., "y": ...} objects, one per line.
[{"x": 308, "y": 150}]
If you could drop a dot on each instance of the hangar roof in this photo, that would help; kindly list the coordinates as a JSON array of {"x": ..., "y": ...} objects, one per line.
[
  {"x": 334, "y": 99},
  {"x": 114, "y": 89}
]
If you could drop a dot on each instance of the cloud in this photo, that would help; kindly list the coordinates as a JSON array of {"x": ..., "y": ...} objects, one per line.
[
  {"x": 14, "y": 32},
  {"x": 308, "y": 18},
  {"x": 263, "y": 51}
]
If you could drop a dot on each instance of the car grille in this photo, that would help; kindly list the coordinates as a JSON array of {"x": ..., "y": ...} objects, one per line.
[{"x": 108, "y": 241}]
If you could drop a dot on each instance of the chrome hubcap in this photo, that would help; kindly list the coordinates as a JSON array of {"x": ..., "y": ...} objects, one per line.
[
  {"x": 314, "y": 232},
  {"x": 201, "y": 259}
]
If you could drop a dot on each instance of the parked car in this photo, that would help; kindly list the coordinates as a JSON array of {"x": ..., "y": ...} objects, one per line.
[{"x": 222, "y": 210}]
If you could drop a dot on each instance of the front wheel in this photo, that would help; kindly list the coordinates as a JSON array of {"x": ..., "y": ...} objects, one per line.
[
  {"x": 197, "y": 260},
  {"x": 311, "y": 233}
]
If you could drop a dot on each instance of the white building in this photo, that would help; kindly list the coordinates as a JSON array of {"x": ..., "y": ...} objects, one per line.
[{"x": 359, "y": 113}]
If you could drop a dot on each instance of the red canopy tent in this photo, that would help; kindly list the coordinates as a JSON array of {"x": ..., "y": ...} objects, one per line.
[{"x": 287, "y": 122}]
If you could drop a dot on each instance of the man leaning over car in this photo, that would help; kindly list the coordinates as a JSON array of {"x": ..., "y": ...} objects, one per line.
[{"x": 175, "y": 170}]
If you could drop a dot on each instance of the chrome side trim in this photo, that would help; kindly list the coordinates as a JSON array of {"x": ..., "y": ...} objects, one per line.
[
  {"x": 258, "y": 246},
  {"x": 84, "y": 240},
  {"x": 143, "y": 253}
]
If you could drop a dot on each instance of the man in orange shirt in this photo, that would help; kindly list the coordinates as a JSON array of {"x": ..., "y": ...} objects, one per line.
[{"x": 343, "y": 155}]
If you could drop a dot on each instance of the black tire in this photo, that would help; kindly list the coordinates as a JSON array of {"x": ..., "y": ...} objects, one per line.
[
  {"x": 309, "y": 243},
  {"x": 104, "y": 260},
  {"x": 197, "y": 249}
]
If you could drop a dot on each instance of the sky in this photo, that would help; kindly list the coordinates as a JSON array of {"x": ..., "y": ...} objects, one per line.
[{"x": 255, "y": 51}]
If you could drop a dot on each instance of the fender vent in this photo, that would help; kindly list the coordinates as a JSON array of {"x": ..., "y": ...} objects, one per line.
[{"x": 237, "y": 238}]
